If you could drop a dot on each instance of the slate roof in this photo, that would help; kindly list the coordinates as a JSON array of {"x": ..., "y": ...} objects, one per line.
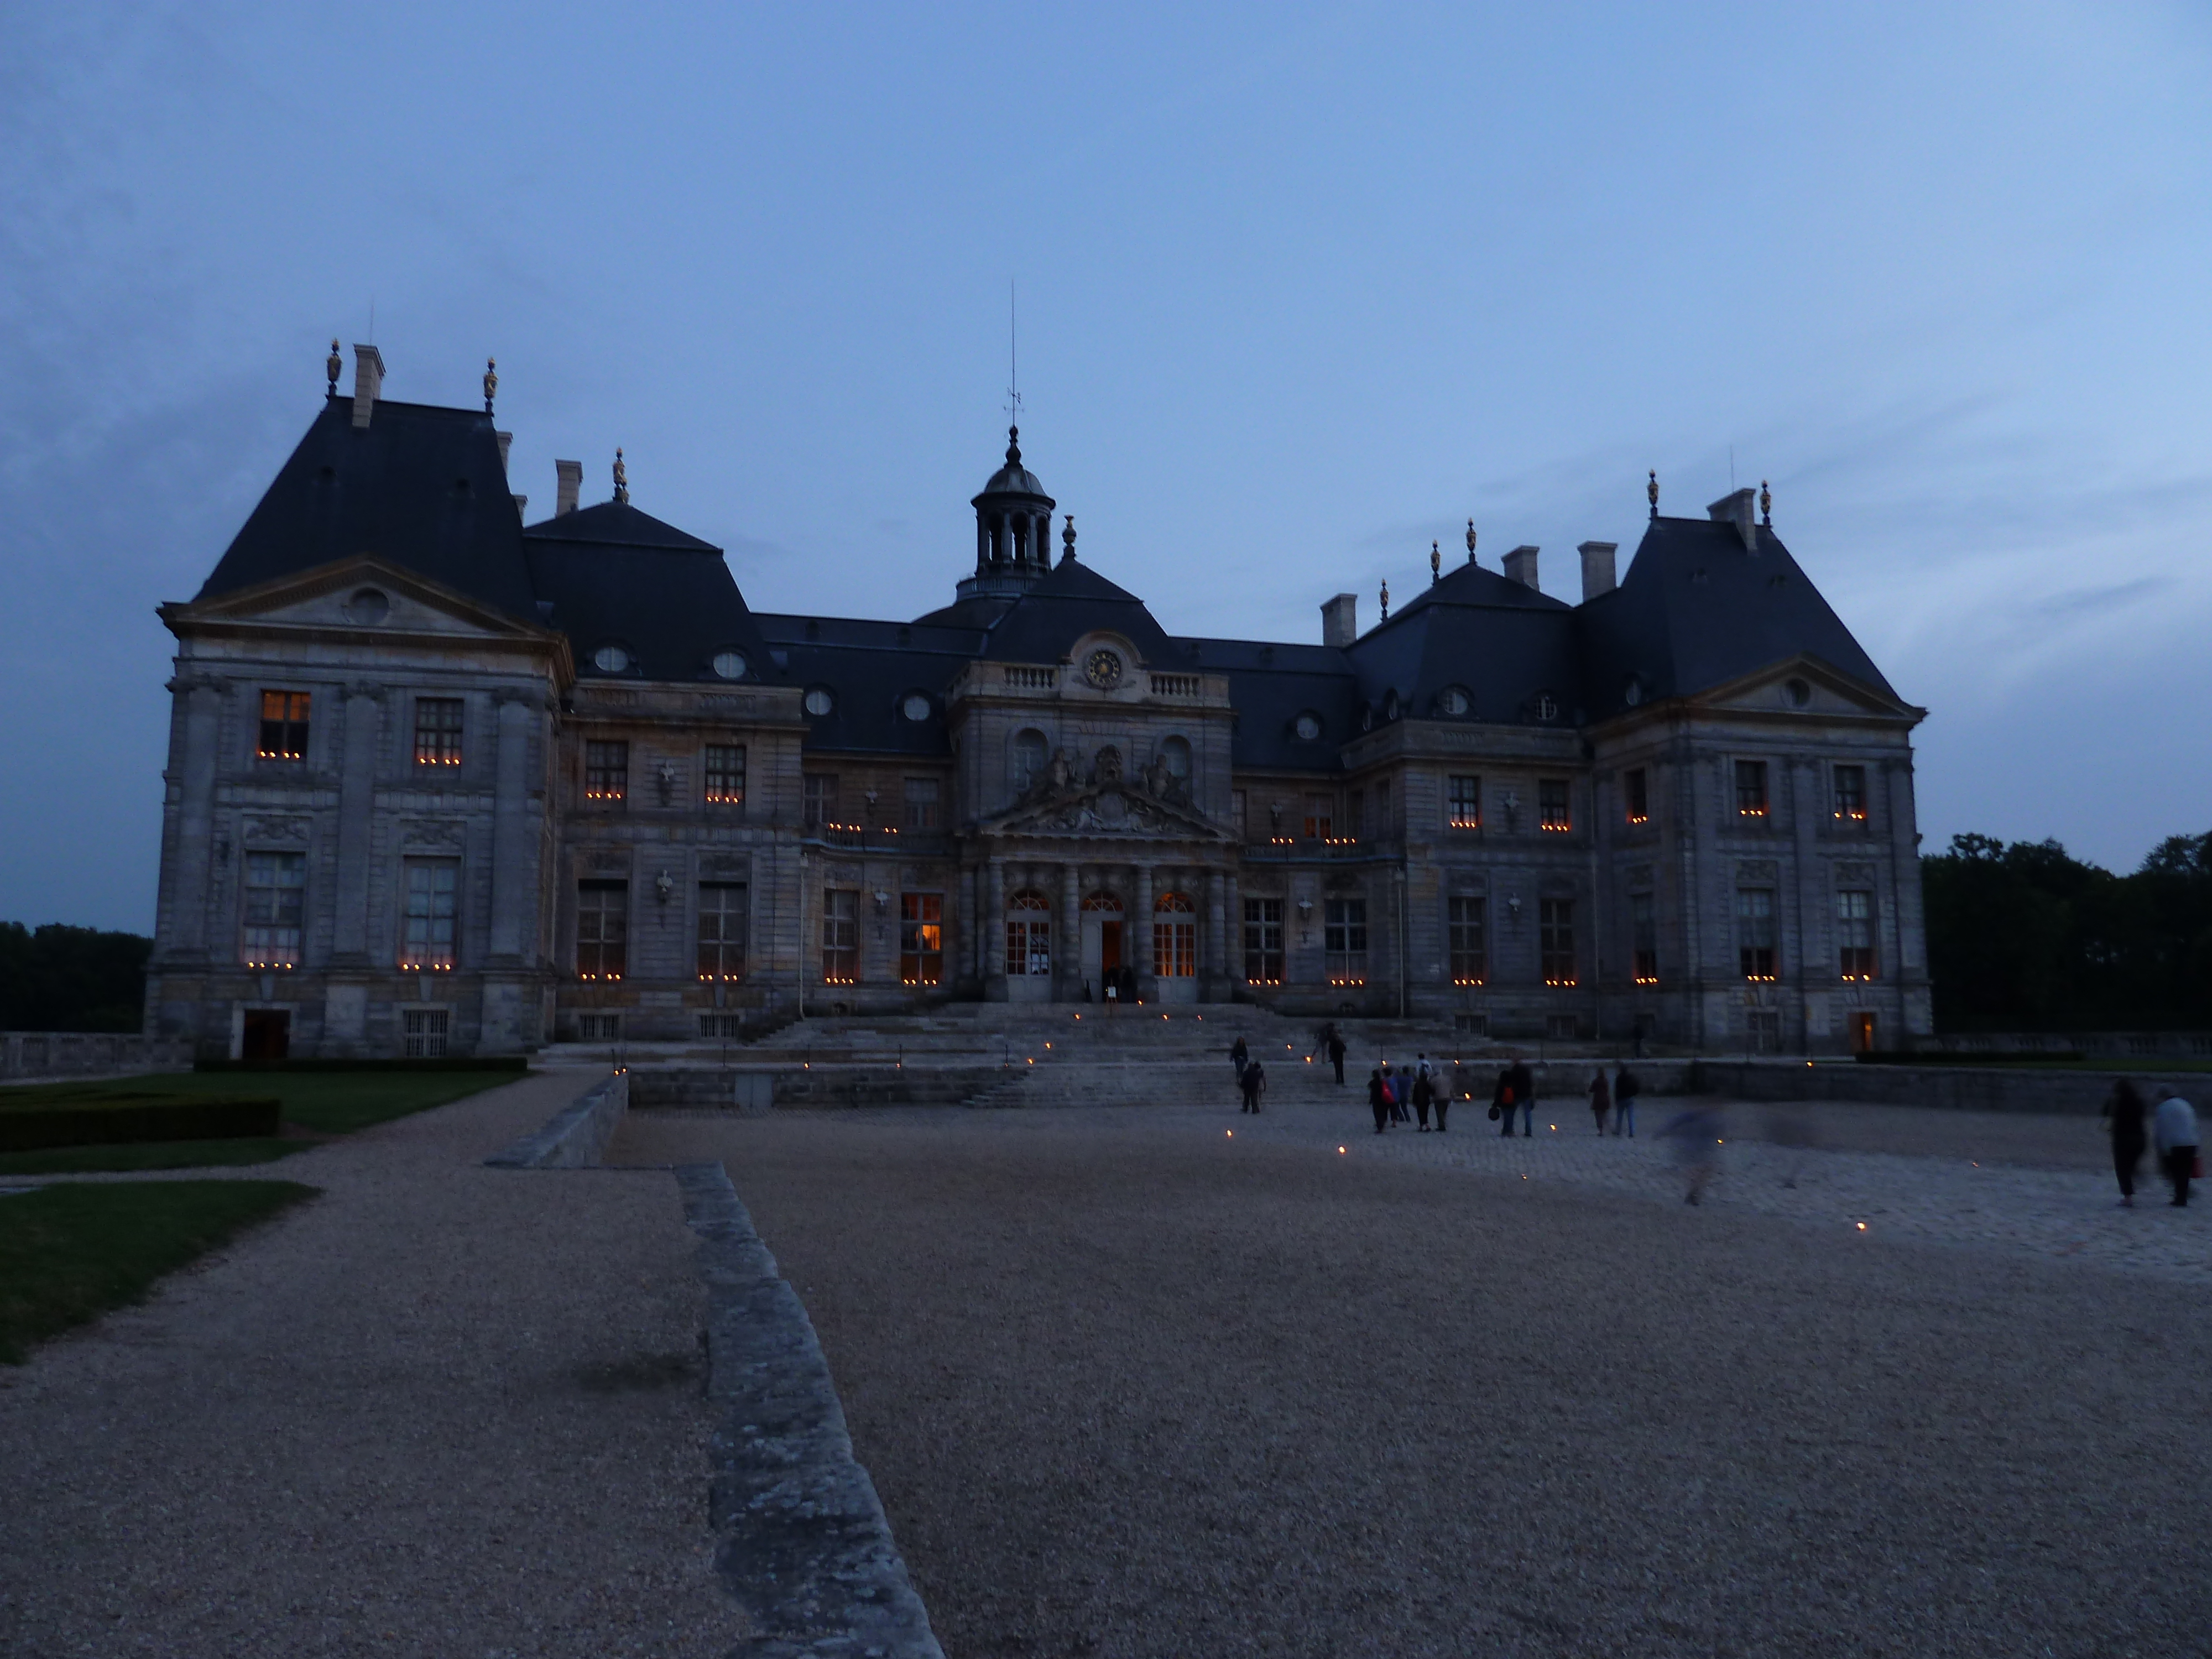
[
  {"x": 1270, "y": 686},
  {"x": 420, "y": 486},
  {"x": 1043, "y": 625},
  {"x": 870, "y": 669},
  {"x": 1500, "y": 641}
]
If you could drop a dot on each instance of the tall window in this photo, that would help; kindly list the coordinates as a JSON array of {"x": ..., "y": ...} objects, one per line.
[
  {"x": 433, "y": 886},
  {"x": 1555, "y": 939},
  {"x": 1855, "y": 933},
  {"x": 1344, "y": 940},
  {"x": 722, "y": 922},
  {"x": 1470, "y": 947},
  {"x": 726, "y": 774},
  {"x": 276, "y": 893},
  {"x": 607, "y": 771},
  {"x": 1263, "y": 941},
  {"x": 284, "y": 725},
  {"x": 1639, "y": 795},
  {"x": 821, "y": 799},
  {"x": 1028, "y": 935},
  {"x": 602, "y": 929},
  {"x": 922, "y": 803},
  {"x": 1643, "y": 938},
  {"x": 840, "y": 936},
  {"x": 1554, "y": 808},
  {"x": 1465, "y": 798},
  {"x": 1851, "y": 794},
  {"x": 1750, "y": 789},
  {"x": 1175, "y": 936},
  {"x": 1029, "y": 761},
  {"x": 921, "y": 938},
  {"x": 1754, "y": 931},
  {"x": 437, "y": 730},
  {"x": 1320, "y": 820}
]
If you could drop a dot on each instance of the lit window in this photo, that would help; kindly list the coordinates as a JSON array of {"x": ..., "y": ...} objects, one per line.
[
  {"x": 284, "y": 725},
  {"x": 602, "y": 929},
  {"x": 426, "y": 1030},
  {"x": 726, "y": 774},
  {"x": 437, "y": 730},
  {"x": 840, "y": 936},
  {"x": 433, "y": 885},
  {"x": 1855, "y": 933},
  {"x": 1643, "y": 938},
  {"x": 1851, "y": 794},
  {"x": 1469, "y": 947},
  {"x": 1175, "y": 936},
  {"x": 1263, "y": 941},
  {"x": 1639, "y": 796},
  {"x": 1320, "y": 822},
  {"x": 821, "y": 799},
  {"x": 1555, "y": 939},
  {"x": 921, "y": 939},
  {"x": 722, "y": 930},
  {"x": 275, "y": 894},
  {"x": 1554, "y": 808},
  {"x": 1028, "y": 935},
  {"x": 922, "y": 803},
  {"x": 1344, "y": 940},
  {"x": 1750, "y": 789},
  {"x": 607, "y": 771},
  {"x": 1754, "y": 932},
  {"x": 1466, "y": 799}
]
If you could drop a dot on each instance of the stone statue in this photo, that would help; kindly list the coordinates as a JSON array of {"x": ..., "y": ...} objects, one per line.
[
  {"x": 1061, "y": 772},
  {"x": 1110, "y": 766},
  {"x": 1158, "y": 779}
]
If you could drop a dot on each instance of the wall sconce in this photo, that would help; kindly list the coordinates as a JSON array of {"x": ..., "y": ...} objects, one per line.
[
  {"x": 666, "y": 778},
  {"x": 869, "y": 796},
  {"x": 663, "y": 885},
  {"x": 1513, "y": 907},
  {"x": 1512, "y": 805},
  {"x": 1305, "y": 918},
  {"x": 883, "y": 903}
]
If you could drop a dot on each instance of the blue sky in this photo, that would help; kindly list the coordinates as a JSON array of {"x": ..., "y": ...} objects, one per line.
[{"x": 1300, "y": 290}]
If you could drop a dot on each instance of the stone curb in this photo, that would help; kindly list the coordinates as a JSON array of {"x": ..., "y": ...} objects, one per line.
[
  {"x": 577, "y": 1137},
  {"x": 803, "y": 1543}
]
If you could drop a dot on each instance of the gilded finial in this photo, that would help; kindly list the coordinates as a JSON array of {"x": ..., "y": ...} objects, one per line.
[
  {"x": 331, "y": 365},
  {"x": 1470, "y": 541},
  {"x": 1765, "y": 505},
  {"x": 1436, "y": 563},
  {"x": 1651, "y": 491},
  {"x": 1068, "y": 539},
  {"x": 491, "y": 382},
  {"x": 621, "y": 478},
  {"x": 1013, "y": 446},
  {"x": 1386, "y": 599}
]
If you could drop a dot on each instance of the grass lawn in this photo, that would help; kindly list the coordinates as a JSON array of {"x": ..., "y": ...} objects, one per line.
[
  {"x": 152, "y": 1155},
  {"x": 70, "y": 1253}
]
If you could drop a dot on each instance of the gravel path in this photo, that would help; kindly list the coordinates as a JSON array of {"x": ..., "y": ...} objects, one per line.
[
  {"x": 440, "y": 1409},
  {"x": 1131, "y": 1386}
]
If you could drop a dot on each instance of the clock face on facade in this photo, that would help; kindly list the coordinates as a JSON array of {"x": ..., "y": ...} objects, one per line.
[{"x": 1103, "y": 669}]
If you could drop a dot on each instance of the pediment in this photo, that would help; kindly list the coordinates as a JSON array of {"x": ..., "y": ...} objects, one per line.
[
  {"x": 1808, "y": 687},
  {"x": 334, "y": 596},
  {"x": 1120, "y": 809}
]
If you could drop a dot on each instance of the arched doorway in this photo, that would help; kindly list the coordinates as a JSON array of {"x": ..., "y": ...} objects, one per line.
[
  {"x": 1029, "y": 948},
  {"x": 1101, "y": 943}
]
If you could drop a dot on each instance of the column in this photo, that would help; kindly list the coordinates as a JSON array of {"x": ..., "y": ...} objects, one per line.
[
  {"x": 1147, "y": 984},
  {"x": 514, "y": 874},
  {"x": 993, "y": 878},
  {"x": 191, "y": 853},
  {"x": 356, "y": 819},
  {"x": 1232, "y": 935},
  {"x": 1071, "y": 932},
  {"x": 1217, "y": 931}
]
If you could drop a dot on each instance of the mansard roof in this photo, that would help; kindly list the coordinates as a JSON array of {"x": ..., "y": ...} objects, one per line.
[
  {"x": 1044, "y": 624},
  {"x": 1500, "y": 641},
  {"x": 610, "y": 574},
  {"x": 1270, "y": 686},
  {"x": 616, "y": 523},
  {"x": 419, "y": 486},
  {"x": 870, "y": 669}
]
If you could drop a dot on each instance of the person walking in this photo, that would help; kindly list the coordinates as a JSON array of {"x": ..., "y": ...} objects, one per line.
[
  {"x": 1601, "y": 1098},
  {"x": 1501, "y": 1102},
  {"x": 1445, "y": 1087},
  {"x": 1524, "y": 1092},
  {"x": 1336, "y": 1051},
  {"x": 1255, "y": 1085},
  {"x": 1625, "y": 1091},
  {"x": 1424, "y": 1093},
  {"x": 1378, "y": 1098},
  {"x": 1240, "y": 1057},
  {"x": 1395, "y": 1085},
  {"x": 2124, "y": 1108},
  {"x": 1696, "y": 1132},
  {"x": 2174, "y": 1127}
]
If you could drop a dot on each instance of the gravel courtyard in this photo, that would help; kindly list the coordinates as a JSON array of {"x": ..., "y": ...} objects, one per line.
[{"x": 1131, "y": 1385}]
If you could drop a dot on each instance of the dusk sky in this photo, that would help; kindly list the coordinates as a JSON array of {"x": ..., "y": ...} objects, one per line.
[{"x": 1300, "y": 290}]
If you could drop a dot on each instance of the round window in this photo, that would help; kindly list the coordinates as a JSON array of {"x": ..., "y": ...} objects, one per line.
[
  {"x": 818, "y": 700},
  {"x": 610, "y": 659},
  {"x": 368, "y": 606},
  {"x": 730, "y": 664},
  {"x": 1456, "y": 702},
  {"x": 1800, "y": 693},
  {"x": 1634, "y": 694},
  {"x": 1546, "y": 708},
  {"x": 1309, "y": 726},
  {"x": 915, "y": 708}
]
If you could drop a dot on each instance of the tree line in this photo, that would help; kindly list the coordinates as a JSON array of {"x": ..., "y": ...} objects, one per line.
[{"x": 70, "y": 978}]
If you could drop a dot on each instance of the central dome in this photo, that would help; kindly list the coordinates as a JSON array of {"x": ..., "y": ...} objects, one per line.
[{"x": 1013, "y": 478}]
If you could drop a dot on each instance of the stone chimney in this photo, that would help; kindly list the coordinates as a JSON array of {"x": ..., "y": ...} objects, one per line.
[
  {"x": 368, "y": 382},
  {"x": 1521, "y": 567},
  {"x": 1340, "y": 620},
  {"x": 570, "y": 476},
  {"x": 1736, "y": 509},
  {"x": 505, "y": 440},
  {"x": 1597, "y": 568},
  {"x": 522, "y": 508}
]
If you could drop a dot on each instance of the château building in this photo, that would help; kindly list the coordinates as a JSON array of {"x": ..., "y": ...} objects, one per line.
[{"x": 441, "y": 780}]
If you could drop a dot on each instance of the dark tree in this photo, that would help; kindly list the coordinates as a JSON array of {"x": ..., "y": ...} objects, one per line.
[{"x": 70, "y": 978}]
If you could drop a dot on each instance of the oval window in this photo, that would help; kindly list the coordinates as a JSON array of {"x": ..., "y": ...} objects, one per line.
[
  {"x": 1634, "y": 693},
  {"x": 610, "y": 659},
  {"x": 368, "y": 606},
  {"x": 818, "y": 700},
  {"x": 915, "y": 708},
  {"x": 730, "y": 664},
  {"x": 1390, "y": 706},
  {"x": 1800, "y": 693},
  {"x": 1456, "y": 702},
  {"x": 1309, "y": 726},
  {"x": 1546, "y": 708}
]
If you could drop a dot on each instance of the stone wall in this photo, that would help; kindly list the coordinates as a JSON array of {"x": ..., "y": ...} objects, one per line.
[{"x": 88, "y": 1054}]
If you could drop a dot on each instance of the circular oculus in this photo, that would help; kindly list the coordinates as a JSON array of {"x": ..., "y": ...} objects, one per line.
[
  {"x": 915, "y": 708},
  {"x": 610, "y": 659},
  {"x": 730, "y": 664},
  {"x": 1309, "y": 726},
  {"x": 818, "y": 700}
]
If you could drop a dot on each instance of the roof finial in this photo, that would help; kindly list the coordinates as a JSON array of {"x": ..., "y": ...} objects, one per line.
[
  {"x": 1068, "y": 539},
  {"x": 331, "y": 365},
  {"x": 1651, "y": 491},
  {"x": 1436, "y": 563},
  {"x": 1386, "y": 599},
  {"x": 1013, "y": 446},
  {"x": 491, "y": 382},
  {"x": 621, "y": 478},
  {"x": 1765, "y": 505},
  {"x": 1470, "y": 541}
]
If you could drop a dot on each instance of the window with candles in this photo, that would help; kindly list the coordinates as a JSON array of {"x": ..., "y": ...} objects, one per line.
[
  {"x": 1555, "y": 939},
  {"x": 606, "y": 769},
  {"x": 437, "y": 730},
  {"x": 426, "y": 932},
  {"x": 1028, "y": 935},
  {"x": 821, "y": 799},
  {"x": 840, "y": 936},
  {"x": 1263, "y": 941},
  {"x": 1175, "y": 936},
  {"x": 722, "y": 922},
  {"x": 1320, "y": 817},
  {"x": 1464, "y": 796},
  {"x": 1754, "y": 932},
  {"x": 1555, "y": 804},
  {"x": 1643, "y": 938},
  {"x": 921, "y": 939},
  {"x": 1344, "y": 940},
  {"x": 276, "y": 907},
  {"x": 1465, "y": 926},
  {"x": 1851, "y": 793},
  {"x": 284, "y": 725},
  {"x": 602, "y": 930},
  {"x": 1751, "y": 788},
  {"x": 921, "y": 804},
  {"x": 1636, "y": 785},
  {"x": 726, "y": 774},
  {"x": 1855, "y": 933}
]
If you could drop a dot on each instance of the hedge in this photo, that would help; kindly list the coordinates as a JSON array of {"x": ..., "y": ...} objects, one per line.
[
  {"x": 516, "y": 1063},
  {"x": 105, "y": 1120}
]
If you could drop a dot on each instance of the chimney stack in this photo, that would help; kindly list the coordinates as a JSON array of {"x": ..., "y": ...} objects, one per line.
[
  {"x": 368, "y": 382},
  {"x": 1521, "y": 567},
  {"x": 1339, "y": 622},
  {"x": 1737, "y": 509},
  {"x": 505, "y": 440},
  {"x": 522, "y": 508},
  {"x": 570, "y": 477},
  {"x": 1597, "y": 568}
]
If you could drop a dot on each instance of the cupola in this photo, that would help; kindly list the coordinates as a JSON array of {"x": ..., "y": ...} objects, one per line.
[{"x": 1013, "y": 527}]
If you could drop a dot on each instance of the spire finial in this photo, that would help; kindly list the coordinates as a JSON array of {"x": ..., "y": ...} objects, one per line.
[
  {"x": 1436, "y": 563},
  {"x": 491, "y": 382},
  {"x": 1013, "y": 446},
  {"x": 1386, "y": 599},
  {"x": 1651, "y": 492},
  {"x": 622, "y": 478},
  {"x": 1765, "y": 505},
  {"x": 1470, "y": 541},
  {"x": 1068, "y": 539},
  {"x": 331, "y": 365}
]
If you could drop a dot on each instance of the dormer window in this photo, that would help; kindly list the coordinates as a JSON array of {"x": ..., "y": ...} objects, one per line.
[
  {"x": 729, "y": 664},
  {"x": 1547, "y": 706},
  {"x": 284, "y": 725},
  {"x": 610, "y": 659},
  {"x": 1455, "y": 703},
  {"x": 1308, "y": 727}
]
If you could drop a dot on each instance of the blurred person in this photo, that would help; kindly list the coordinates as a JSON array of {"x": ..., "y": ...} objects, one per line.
[
  {"x": 1524, "y": 1092},
  {"x": 1501, "y": 1101},
  {"x": 1697, "y": 1133},
  {"x": 1601, "y": 1098},
  {"x": 1336, "y": 1051},
  {"x": 1378, "y": 1098},
  {"x": 1255, "y": 1085},
  {"x": 2174, "y": 1129},
  {"x": 1424, "y": 1093},
  {"x": 1239, "y": 1057},
  {"x": 2123, "y": 1109},
  {"x": 1625, "y": 1091}
]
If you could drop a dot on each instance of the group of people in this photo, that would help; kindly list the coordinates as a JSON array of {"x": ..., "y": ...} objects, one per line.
[
  {"x": 1251, "y": 1076},
  {"x": 2172, "y": 1130},
  {"x": 1425, "y": 1088}
]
